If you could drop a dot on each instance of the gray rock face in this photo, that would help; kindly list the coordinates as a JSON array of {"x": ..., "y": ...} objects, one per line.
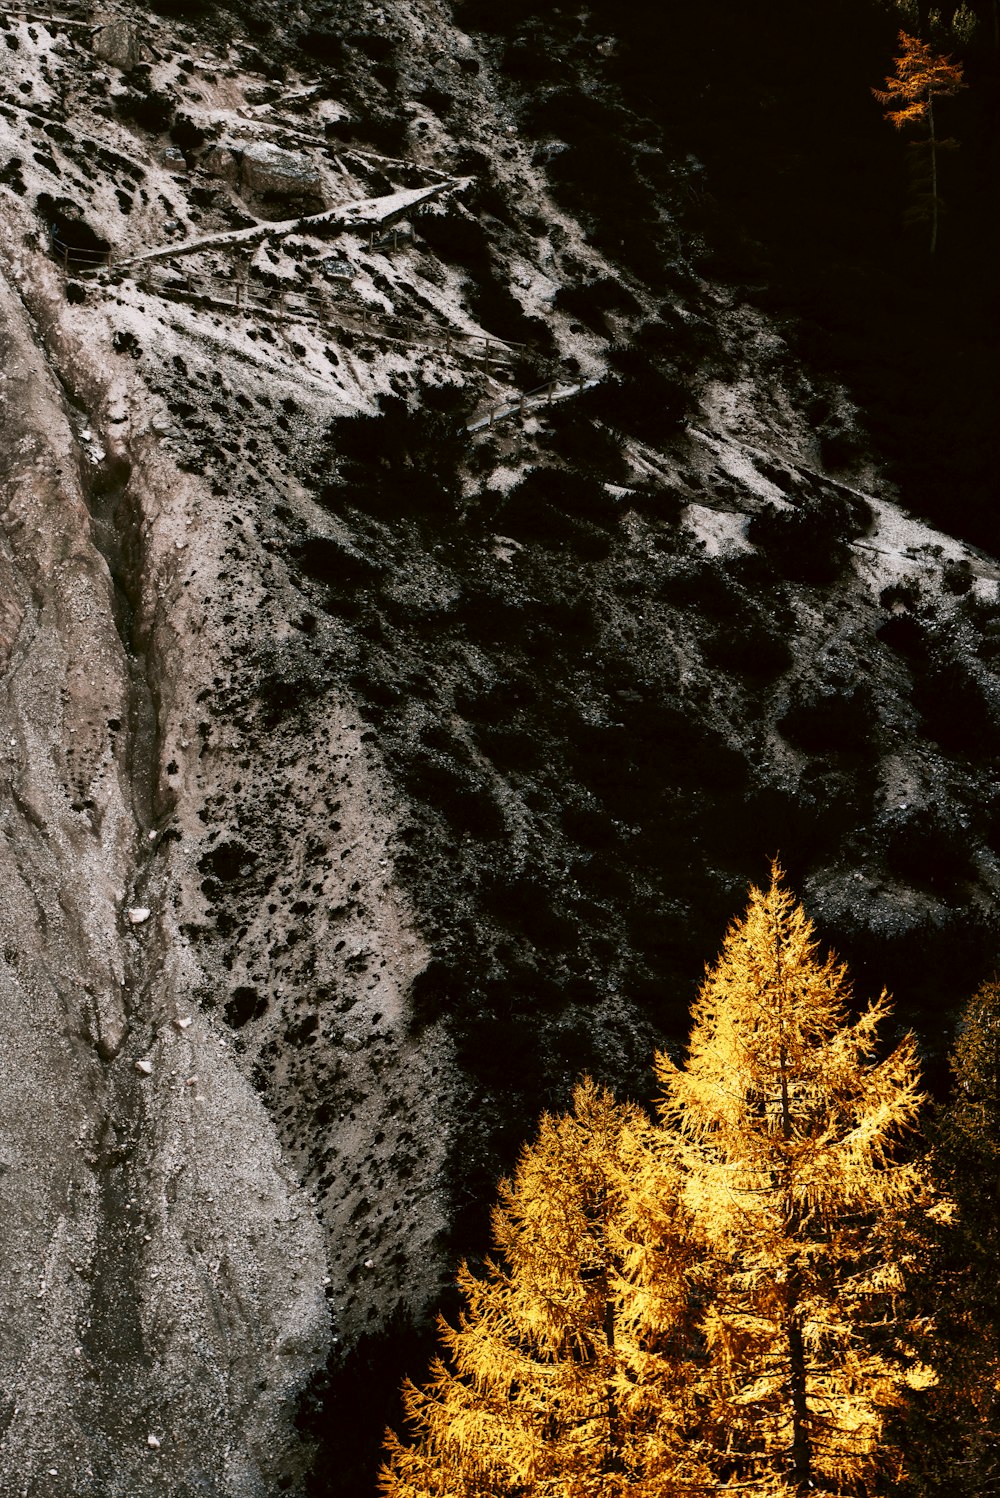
[
  {"x": 120, "y": 44},
  {"x": 267, "y": 171},
  {"x": 162, "y": 1270},
  {"x": 223, "y": 162}
]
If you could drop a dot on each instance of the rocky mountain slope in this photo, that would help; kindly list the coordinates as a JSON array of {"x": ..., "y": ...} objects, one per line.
[{"x": 370, "y": 777}]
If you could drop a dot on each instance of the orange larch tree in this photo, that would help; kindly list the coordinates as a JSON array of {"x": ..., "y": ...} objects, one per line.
[{"x": 921, "y": 77}]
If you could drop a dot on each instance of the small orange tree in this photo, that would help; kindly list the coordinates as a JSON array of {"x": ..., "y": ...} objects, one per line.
[{"x": 921, "y": 77}]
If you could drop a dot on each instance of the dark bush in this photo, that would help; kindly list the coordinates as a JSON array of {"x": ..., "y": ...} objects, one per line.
[
  {"x": 498, "y": 702},
  {"x": 748, "y": 645},
  {"x": 526, "y": 516},
  {"x": 437, "y": 991},
  {"x": 67, "y": 226},
  {"x": 528, "y": 60},
  {"x": 153, "y": 111},
  {"x": 186, "y": 10},
  {"x": 496, "y": 309},
  {"x": 647, "y": 405},
  {"x": 959, "y": 709},
  {"x": 810, "y": 541},
  {"x": 686, "y": 339},
  {"x": 388, "y": 133},
  {"x": 227, "y": 861},
  {"x": 575, "y": 436},
  {"x": 906, "y": 635},
  {"x": 511, "y": 745},
  {"x": 926, "y": 849},
  {"x": 468, "y": 807},
  {"x": 459, "y": 240},
  {"x": 830, "y": 717},
  {"x": 323, "y": 45},
  {"x": 589, "y": 302},
  {"x": 373, "y": 44},
  {"x": 590, "y": 826},
  {"x": 186, "y": 134},
  {"x": 288, "y": 679},
  {"x": 438, "y": 100},
  {"x": 245, "y": 1005},
  {"x": 401, "y": 461},
  {"x": 578, "y": 495},
  {"x": 330, "y": 561}
]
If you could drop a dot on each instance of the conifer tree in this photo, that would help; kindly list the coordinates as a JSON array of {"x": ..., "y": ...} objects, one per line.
[
  {"x": 921, "y": 77},
  {"x": 955, "y": 1427},
  {"x": 712, "y": 1303},
  {"x": 783, "y": 1128},
  {"x": 552, "y": 1384}
]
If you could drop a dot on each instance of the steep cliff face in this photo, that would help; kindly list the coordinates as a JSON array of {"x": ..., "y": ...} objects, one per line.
[{"x": 373, "y": 770}]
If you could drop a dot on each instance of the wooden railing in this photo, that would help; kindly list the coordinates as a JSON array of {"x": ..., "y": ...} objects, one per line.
[
  {"x": 73, "y": 255},
  {"x": 46, "y": 17},
  {"x": 530, "y": 400},
  {"x": 233, "y": 293}
]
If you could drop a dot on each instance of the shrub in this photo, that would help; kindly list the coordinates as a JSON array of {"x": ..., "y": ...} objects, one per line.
[
  {"x": 591, "y": 301},
  {"x": 810, "y": 541},
  {"x": 831, "y": 716},
  {"x": 459, "y": 240},
  {"x": 402, "y": 461}
]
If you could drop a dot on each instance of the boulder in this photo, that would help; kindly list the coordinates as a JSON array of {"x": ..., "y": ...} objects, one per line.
[
  {"x": 221, "y": 161},
  {"x": 118, "y": 43},
  {"x": 270, "y": 172}
]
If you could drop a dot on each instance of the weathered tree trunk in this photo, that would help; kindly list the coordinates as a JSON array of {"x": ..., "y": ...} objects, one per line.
[
  {"x": 801, "y": 1448},
  {"x": 934, "y": 172}
]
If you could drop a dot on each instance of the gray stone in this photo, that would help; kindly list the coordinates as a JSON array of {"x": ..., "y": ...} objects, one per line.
[
  {"x": 223, "y": 162},
  {"x": 269, "y": 171},
  {"x": 119, "y": 44}
]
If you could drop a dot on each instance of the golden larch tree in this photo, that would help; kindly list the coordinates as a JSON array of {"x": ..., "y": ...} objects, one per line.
[
  {"x": 715, "y": 1302},
  {"x": 784, "y": 1129},
  {"x": 954, "y": 1427},
  {"x": 921, "y": 77},
  {"x": 551, "y": 1383}
]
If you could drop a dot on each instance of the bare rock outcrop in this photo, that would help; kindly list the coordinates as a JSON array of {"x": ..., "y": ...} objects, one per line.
[
  {"x": 120, "y": 44},
  {"x": 163, "y": 1272}
]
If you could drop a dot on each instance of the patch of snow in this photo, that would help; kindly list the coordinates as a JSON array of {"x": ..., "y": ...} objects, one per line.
[
  {"x": 899, "y": 547},
  {"x": 736, "y": 460},
  {"x": 503, "y": 479}
]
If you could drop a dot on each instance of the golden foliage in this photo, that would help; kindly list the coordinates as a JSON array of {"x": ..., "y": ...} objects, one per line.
[
  {"x": 921, "y": 76},
  {"x": 707, "y": 1303},
  {"x": 784, "y": 1129},
  {"x": 552, "y": 1384}
]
